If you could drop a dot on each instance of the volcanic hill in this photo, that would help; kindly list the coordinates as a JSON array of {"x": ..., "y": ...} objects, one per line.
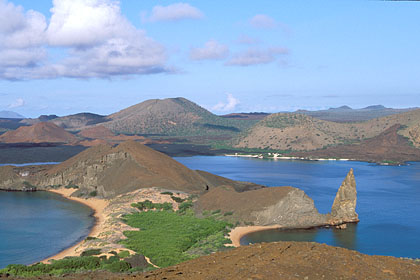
[
  {"x": 172, "y": 116},
  {"x": 107, "y": 171},
  {"x": 43, "y": 132}
]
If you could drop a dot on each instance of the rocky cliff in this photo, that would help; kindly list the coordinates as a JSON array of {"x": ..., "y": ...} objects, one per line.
[
  {"x": 285, "y": 206},
  {"x": 344, "y": 207}
]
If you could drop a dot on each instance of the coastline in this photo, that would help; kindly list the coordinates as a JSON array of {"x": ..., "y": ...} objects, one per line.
[
  {"x": 97, "y": 205},
  {"x": 237, "y": 233}
]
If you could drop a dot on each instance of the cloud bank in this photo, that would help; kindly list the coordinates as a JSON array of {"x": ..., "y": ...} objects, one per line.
[
  {"x": 263, "y": 21},
  {"x": 254, "y": 56},
  {"x": 175, "y": 12},
  {"x": 97, "y": 40},
  {"x": 212, "y": 50}
]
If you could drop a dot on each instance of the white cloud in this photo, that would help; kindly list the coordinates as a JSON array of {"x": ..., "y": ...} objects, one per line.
[
  {"x": 97, "y": 40},
  {"x": 18, "y": 103},
  {"x": 263, "y": 21},
  {"x": 246, "y": 40},
  {"x": 229, "y": 105},
  {"x": 174, "y": 12},
  {"x": 211, "y": 50},
  {"x": 255, "y": 56},
  {"x": 21, "y": 37}
]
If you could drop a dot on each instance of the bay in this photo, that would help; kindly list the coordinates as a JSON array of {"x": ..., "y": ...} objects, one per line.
[
  {"x": 37, "y": 225},
  {"x": 388, "y": 199}
]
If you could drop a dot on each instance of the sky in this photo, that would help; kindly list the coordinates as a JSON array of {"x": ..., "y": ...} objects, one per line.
[{"x": 69, "y": 56}]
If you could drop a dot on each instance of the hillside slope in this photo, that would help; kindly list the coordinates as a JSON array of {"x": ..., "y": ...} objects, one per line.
[
  {"x": 38, "y": 133},
  {"x": 107, "y": 171},
  {"x": 172, "y": 116},
  {"x": 290, "y": 131}
]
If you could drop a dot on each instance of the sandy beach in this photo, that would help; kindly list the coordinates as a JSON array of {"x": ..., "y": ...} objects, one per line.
[
  {"x": 237, "y": 233},
  {"x": 97, "y": 205}
]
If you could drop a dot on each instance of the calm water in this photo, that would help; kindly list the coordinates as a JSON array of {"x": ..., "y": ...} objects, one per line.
[
  {"x": 388, "y": 199},
  {"x": 34, "y": 226}
]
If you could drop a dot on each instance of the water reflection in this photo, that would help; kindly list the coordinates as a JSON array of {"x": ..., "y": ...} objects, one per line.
[{"x": 345, "y": 238}]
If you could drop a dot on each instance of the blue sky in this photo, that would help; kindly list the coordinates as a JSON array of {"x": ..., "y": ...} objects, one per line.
[{"x": 62, "y": 57}]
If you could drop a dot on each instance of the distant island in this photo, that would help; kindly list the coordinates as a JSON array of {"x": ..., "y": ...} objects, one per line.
[{"x": 178, "y": 127}]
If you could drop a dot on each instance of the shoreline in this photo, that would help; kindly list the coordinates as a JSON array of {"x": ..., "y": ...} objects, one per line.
[
  {"x": 236, "y": 234},
  {"x": 97, "y": 205}
]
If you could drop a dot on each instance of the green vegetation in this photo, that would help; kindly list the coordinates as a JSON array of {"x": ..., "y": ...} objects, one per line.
[
  {"x": 167, "y": 193},
  {"x": 230, "y": 213},
  {"x": 148, "y": 205},
  {"x": 91, "y": 252},
  {"x": 284, "y": 120},
  {"x": 71, "y": 186},
  {"x": 93, "y": 193},
  {"x": 177, "y": 199},
  {"x": 169, "y": 237},
  {"x": 70, "y": 265}
]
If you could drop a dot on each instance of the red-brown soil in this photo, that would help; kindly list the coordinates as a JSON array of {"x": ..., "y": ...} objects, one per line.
[
  {"x": 387, "y": 146},
  {"x": 282, "y": 260},
  {"x": 39, "y": 133}
]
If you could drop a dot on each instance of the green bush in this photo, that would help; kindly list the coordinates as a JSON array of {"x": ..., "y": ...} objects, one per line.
[
  {"x": 167, "y": 193},
  {"x": 147, "y": 204},
  {"x": 124, "y": 254},
  {"x": 90, "y": 252},
  {"x": 177, "y": 199},
  {"x": 93, "y": 193},
  {"x": 230, "y": 213}
]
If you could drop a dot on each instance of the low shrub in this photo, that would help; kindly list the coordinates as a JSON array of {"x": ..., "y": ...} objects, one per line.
[{"x": 90, "y": 252}]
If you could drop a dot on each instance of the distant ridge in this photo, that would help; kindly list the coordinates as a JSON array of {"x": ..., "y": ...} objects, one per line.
[
  {"x": 347, "y": 114},
  {"x": 70, "y": 122},
  {"x": 10, "y": 115}
]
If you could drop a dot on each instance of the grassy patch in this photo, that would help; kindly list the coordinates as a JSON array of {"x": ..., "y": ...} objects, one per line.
[{"x": 167, "y": 236}]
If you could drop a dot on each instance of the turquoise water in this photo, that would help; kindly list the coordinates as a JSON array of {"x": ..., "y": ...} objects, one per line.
[
  {"x": 388, "y": 200},
  {"x": 34, "y": 226}
]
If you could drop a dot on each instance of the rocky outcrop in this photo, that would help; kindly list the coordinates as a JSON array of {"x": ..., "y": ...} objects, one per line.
[
  {"x": 296, "y": 210},
  {"x": 344, "y": 207},
  {"x": 287, "y": 207}
]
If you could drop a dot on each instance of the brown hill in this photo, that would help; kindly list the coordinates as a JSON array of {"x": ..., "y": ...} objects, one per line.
[
  {"x": 285, "y": 131},
  {"x": 38, "y": 133},
  {"x": 172, "y": 116},
  {"x": 107, "y": 171},
  {"x": 96, "y": 132},
  {"x": 388, "y": 146}
]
